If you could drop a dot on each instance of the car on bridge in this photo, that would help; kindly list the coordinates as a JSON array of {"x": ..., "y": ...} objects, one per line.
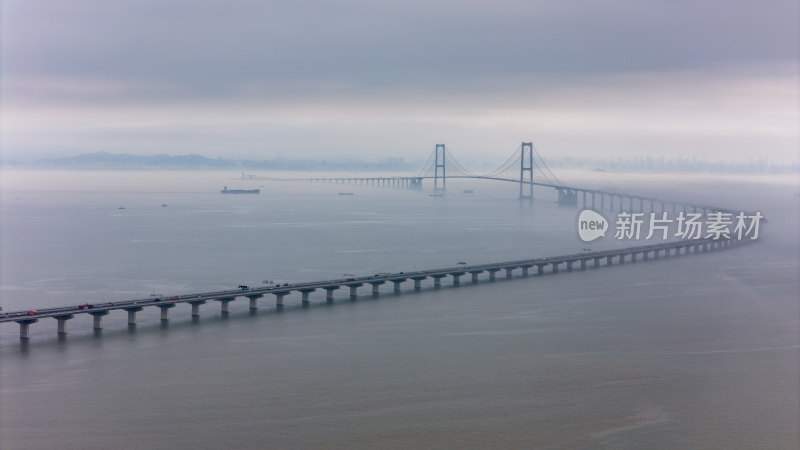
[{"x": 85, "y": 306}]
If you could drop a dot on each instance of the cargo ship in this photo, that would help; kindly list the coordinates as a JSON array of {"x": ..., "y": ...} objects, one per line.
[{"x": 239, "y": 191}]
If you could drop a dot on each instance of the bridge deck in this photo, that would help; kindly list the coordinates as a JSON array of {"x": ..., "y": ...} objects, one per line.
[{"x": 97, "y": 309}]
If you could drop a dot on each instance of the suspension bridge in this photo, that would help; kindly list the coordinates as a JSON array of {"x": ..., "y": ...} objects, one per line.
[{"x": 525, "y": 167}]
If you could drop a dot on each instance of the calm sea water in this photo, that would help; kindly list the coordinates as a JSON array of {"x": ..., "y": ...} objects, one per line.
[{"x": 687, "y": 352}]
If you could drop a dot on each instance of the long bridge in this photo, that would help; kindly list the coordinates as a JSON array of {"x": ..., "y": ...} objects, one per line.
[
  {"x": 523, "y": 162},
  {"x": 552, "y": 265},
  {"x": 527, "y": 159}
]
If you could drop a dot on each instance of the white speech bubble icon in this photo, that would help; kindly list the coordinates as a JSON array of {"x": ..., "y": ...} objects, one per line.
[{"x": 591, "y": 225}]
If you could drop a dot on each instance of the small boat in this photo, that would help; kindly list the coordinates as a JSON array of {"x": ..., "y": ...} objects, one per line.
[
  {"x": 121, "y": 207},
  {"x": 163, "y": 205},
  {"x": 467, "y": 191},
  {"x": 346, "y": 193}
]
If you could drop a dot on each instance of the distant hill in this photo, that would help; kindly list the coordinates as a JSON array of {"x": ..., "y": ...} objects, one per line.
[
  {"x": 106, "y": 160},
  {"x": 125, "y": 161}
]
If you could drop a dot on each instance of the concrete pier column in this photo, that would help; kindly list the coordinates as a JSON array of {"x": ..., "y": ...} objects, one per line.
[
  {"x": 223, "y": 308},
  {"x": 418, "y": 283},
  {"x": 329, "y": 293},
  {"x": 24, "y": 328},
  {"x": 437, "y": 281},
  {"x": 165, "y": 310},
  {"x": 633, "y": 257},
  {"x": 305, "y": 293},
  {"x": 508, "y": 272},
  {"x": 254, "y": 301},
  {"x": 554, "y": 268},
  {"x": 376, "y": 288},
  {"x": 456, "y": 278},
  {"x": 98, "y": 319},
  {"x": 583, "y": 264},
  {"x": 397, "y": 285},
  {"x": 196, "y": 307},
  {"x": 540, "y": 269},
  {"x": 491, "y": 273},
  {"x": 132, "y": 314},
  {"x": 62, "y": 323},
  {"x": 354, "y": 290},
  {"x": 475, "y": 277},
  {"x": 609, "y": 260},
  {"x": 621, "y": 258},
  {"x": 656, "y": 253},
  {"x": 278, "y": 300},
  {"x": 569, "y": 266},
  {"x": 525, "y": 270},
  {"x": 596, "y": 262}
]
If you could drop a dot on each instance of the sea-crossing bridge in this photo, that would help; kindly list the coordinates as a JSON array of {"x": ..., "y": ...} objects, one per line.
[
  {"x": 527, "y": 160},
  {"x": 488, "y": 271},
  {"x": 525, "y": 167}
]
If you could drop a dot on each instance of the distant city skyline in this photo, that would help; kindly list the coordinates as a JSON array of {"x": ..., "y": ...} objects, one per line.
[{"x": 370, "y": 80}]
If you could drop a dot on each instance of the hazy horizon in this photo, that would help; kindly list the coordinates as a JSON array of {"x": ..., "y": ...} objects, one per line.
[{"x": 361, "y": 79}]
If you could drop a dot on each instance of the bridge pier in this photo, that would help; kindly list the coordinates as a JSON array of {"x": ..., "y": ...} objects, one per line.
[
  {"x": 375, "y": 286},
  {"x": 278, "y": 300},
  {"x": 456, "y": 278},
  {"x": 98, "y": 319},
  {"x": 540, "y": 269},
  {"x": 554, "y": 268},
  {"x": 305, "y": 293},
  {"x": 329, "y": 293},
  {"x": 622, "y": 258},
  {"x": 397, "y": 285},
  {"x": 165, "y": 311},
  {"x": 62, "y": 322},
  {"x": 509, "y": 271},
  {"x": 525, "y": 270},
  {"x": 646, "y": 255},
  {"x": 633, "y": 257},
  {"x": 437, "y": 281},
  {"x": 475, "y": 274},
  {"x": 491, "y": 273},
  {"x": 254, "y": 301},
  {"x": 24, "y": 328},
  {"x": 583, "y": 264},
  {"x": 596, "y": 262},
  {"x": 196, "y": 307},
  {"x": 569, "y": 266},
  {"x": 132, "y": 314},
  {"x": 418, "y": 283},
  {"x": 609, "y": 260},
  {"x": 354, "y": 290},
  {"x": 223, "y": 308}
]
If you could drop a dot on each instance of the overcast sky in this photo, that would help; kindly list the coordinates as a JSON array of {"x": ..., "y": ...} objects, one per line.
[{"x": 362, "y": 78}]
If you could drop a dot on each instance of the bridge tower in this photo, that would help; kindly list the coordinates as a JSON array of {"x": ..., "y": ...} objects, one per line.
[
  {"x": 439, "y": 148},
  {"x": 526, "y": 168}
]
